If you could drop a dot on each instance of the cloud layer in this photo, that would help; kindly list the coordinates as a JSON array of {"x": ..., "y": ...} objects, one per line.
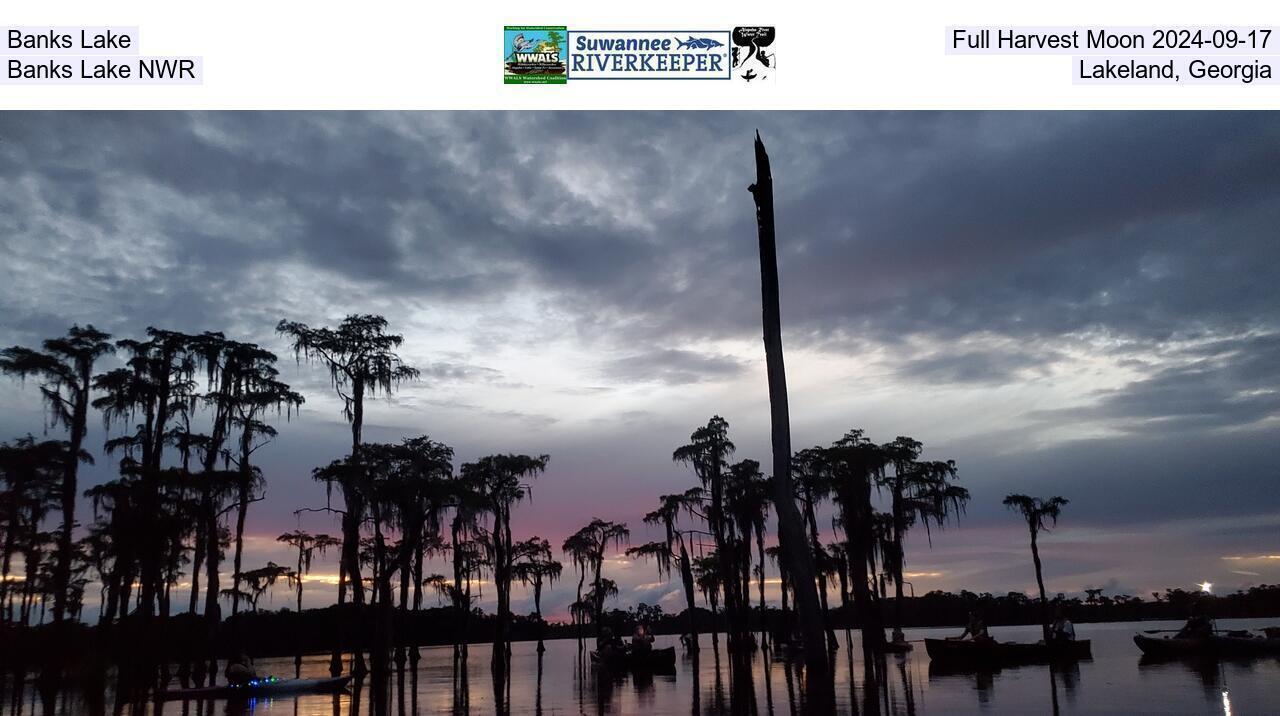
[{"x": 1084, "y": 304}]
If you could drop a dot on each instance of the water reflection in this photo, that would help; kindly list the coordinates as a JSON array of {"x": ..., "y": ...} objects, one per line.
[
  {"x": 537, "y": 700},
  {"x": 1212, "y": 675},
  {"x": 710, "y": 681}
]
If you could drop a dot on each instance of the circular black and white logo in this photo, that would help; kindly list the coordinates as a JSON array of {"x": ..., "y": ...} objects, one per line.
[{"x": 753, "y": 55}]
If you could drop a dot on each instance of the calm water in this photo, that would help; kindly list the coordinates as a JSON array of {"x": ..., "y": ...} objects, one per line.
[{"x": 1115, "y": 681}]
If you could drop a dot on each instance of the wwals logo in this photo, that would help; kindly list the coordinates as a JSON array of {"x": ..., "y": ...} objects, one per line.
[{"x": 533, "y": 54}]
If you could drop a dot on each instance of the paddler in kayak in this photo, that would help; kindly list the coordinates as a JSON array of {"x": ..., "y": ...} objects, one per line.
[
  {"x": 1198, "y": 626},
  {"x": 975, "y": 630},
  {"x": 608, "y": 644},
  {"x": 239, "y": 670},
  {"x": 1061, "y": 629},
  {"x": 641, "y": 640}
]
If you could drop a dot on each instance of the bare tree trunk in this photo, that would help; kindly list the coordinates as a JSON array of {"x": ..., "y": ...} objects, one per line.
[
  {"x": 197, "y": 563},
  {"x": 764, "y": 612},
  {"x": 10, "y": 542},
  {"x": 815, "y": 545},
  {"x": 212, "y": 558},
  {"x": 351, "y": 531},
  {"x": 381, "y": 594},
  {"x": 899, "y": 563},
  {"x": 241, "y": 510},
  {"x": 62, "y": 568},
  {"x": 690, "y": 593},
  {"x": 582, "y": 578},
  {"x": 502, "y": 585},
  {"x": 790, "y": 527},
  {"x": 459, "y": 610},
  {"x": 1044, "y": 601},
  {"x": 844, "y": 601},
  {"x": 786, "y": 603},
  {"x": 537, "y": 612},
  {"x": 414, "y": 655},
  {"x": 406, "y": 574}
]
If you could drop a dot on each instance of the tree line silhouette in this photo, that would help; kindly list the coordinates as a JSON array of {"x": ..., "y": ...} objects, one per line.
[
  {"x": 191, "y": 410},
  {"x": 187, "y": 412}
]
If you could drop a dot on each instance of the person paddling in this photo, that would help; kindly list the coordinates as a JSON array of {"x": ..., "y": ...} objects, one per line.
[
  {"x": 1062, "y": 629},
  {"x": 641, "y": 640},
  {"x": 976, "y": 629},
  {"x": 240, "y": 670},
  {"x": 1198, "y": 626}
]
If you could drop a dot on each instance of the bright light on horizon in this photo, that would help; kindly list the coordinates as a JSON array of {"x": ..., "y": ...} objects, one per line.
[{"x": 1206, "y": 587}]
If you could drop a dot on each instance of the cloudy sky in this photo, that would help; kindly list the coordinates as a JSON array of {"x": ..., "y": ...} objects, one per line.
[{"x": 1074, "y": 304}]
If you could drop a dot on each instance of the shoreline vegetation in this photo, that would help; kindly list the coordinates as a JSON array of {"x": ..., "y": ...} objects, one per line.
[
  {"x": 187, "y": 413},
  {"x": 275, "y": 633}
]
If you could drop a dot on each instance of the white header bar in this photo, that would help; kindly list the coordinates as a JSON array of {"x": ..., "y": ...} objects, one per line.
[{"x": 409, "y": 55}]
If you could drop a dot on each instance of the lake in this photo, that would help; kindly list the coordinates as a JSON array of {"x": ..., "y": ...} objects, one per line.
[{"x": 1116, "y": 681}]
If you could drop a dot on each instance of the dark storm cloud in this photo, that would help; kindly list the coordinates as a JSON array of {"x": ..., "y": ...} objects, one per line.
[
  {"x": 935, "y": 224},
  {"x": 445, "y": 371},
  {"x": 1130, "y": 480},
  {"x": 673, "y": 367},
  {"x": 1223, "y": 384},
  {"x": 1126, "y": 223},
  {"x": 974, "y": 366},
  {"x": 1138, "y": 227}
]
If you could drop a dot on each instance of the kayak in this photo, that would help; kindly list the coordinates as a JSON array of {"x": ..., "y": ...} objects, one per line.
[
  {"x": 652, "y": 660},
  {"x": 896, "y": 647},
  {"x": 1006, "y": 653},
  {"x": 1214, "y": 646},
  {"x": 270, "y": 686},
  {"x": 1172, "y": 647},
  {"x": 1245, "y": 646}
]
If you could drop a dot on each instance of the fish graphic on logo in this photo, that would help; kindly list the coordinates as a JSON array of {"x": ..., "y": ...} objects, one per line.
[
  {"x": 698, "y": 43},
  {"x": 519, "y": 44}
]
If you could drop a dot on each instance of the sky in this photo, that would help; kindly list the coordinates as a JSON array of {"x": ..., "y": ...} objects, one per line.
[{"x": 1065, "y": 304}]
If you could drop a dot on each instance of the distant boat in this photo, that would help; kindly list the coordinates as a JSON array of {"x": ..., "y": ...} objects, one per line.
[
  {"x": 1207, "y": 647},
  {"x": 652, "y": 660},
  {"x": 955, "y": 651},
  {"x": 257, "y": 689}
]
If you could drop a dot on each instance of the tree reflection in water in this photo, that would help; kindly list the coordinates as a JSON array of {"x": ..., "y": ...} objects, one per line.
[
  {"x": 704, "y": 684},
  {"x": 1209, "y": 672},
  {"x": 461, "y": 684},
  {"x": 537, "y": 698},
  {"x": 908, "y": 688},
  {"x": 768, "y": 681},
  {"x": 696, "y": 670}
]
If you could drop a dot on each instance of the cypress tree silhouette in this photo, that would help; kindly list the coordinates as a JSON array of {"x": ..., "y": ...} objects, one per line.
[
  {"x": 1040, "y": 514},
  {"x": 65, "y": 369},
  {"x": 361, "y": 359}
]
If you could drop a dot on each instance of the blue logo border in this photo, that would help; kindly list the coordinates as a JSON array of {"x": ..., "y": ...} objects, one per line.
[{"x": 568, "y": 73}]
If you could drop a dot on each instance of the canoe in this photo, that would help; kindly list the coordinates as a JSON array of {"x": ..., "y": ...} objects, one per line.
[
  {"x": 1005, "y": 653},
  {"x": 652, "y": 660},
  {"x": 1210, "y": 647},
  {"x": 270, "y": 686}
]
